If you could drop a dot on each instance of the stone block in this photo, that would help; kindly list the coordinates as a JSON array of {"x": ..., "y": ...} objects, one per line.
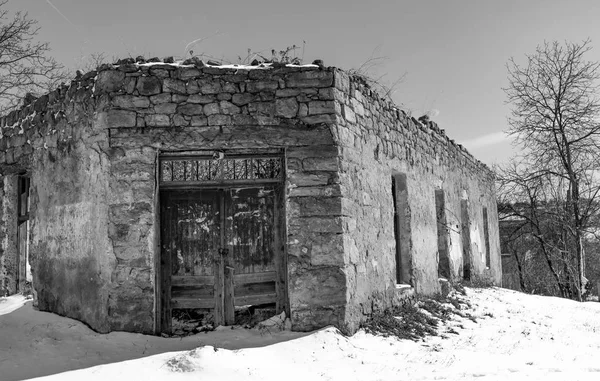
[
  {"x": 130, "y": 101},
  {"x": 303, "y": 110},
  {"x": 302, "y": 179},
  {"x": 317, "y": 119},
  {"x": 318, "y": 190},
  {"x": 192, "y": 87},
  {"x": 243, "y": 98},
  {"x": 229, "y": 108},
  {"x": 160, "y": 98},
  {"x": 211, "y": 109},
  {"x": 348, "y": 114},
  {"x": 188, "y": 73},
  {"x": 179, "y": 98},
  {"x": 324, "y": 150},
  {"x": 149, "y": 85},
  {"x": 321, "y": 107},
  {"x": 157, "y": 120},
  {"x": 320, "y": 164},
  {"x": 313, "y": 206},
  {"x": 224, "y": 96},
  {"x": 243, "y": 120},
  {"x": 210, "y": 86},
  {"x": 165, "y": 108},
  {"x": 171, "y": 85},
  {"x": 110, "y": 81},
  {"x": 326, "y": 94},
  {"x": 180, "y": 121},
  {"x": 190, "y": 109},
  {"x": 230, "y": 88},
  {"x": 262, "y": 108},
  {"x": 311, "y": 78},
  {"x": 321, "y": 286},
  {"x": 287, "y": 108},
  {"x": 201, "y": 99},
  {"x": 121, "y": 118},
  {"x": 199, "y": 121},
  {"x": 219, "y": 120},
  {"x": 160, "y": 72},
  {"x": 284, "y": 93},
  {"x": 258, "y": 86}
]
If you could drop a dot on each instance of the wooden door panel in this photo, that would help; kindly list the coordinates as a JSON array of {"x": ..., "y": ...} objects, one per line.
[
  {"x": 221, "y": 249},
  {"x": 250, "y": 216},
  {"x": 190, "y": 236},
  {"x": 195, "y": 232}
]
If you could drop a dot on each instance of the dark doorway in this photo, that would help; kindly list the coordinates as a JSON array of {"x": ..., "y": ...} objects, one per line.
[
  {"x": 465, "y": 233},
  {"x": 442, "y": 235},
  {"x": 402, "y": 229},
  {"x": 24, "y": 277}
]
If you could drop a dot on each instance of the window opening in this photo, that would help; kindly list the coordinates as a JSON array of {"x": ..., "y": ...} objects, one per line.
[
  {"x": 401, "y": 228},
  {"x": 442, "y": 235},
  {"x": 486, "y": 234},
  {"x": 466, "y": 238},
  {"x": 23, "y": 207}
]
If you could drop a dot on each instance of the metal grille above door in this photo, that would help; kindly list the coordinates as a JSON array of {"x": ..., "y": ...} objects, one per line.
[{"x": 195, "y": 171}]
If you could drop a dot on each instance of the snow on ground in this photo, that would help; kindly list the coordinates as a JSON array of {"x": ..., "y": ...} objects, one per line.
[{"x": 516, "y": 337}]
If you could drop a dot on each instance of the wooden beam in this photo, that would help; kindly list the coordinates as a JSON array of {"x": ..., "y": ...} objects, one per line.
[
  {"x": 192, "y": 303},
  {"x": 268, "y": 276},
  {"x": 228, "y": 300},
  {"x": 204, "y": 291},
  {"x": 256, "y": 299},
  {"x": 195, "y": 280},
  {"x": 212, "y": 184}
]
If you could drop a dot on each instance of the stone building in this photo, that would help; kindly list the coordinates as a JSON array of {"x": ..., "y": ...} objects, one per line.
[{"x": 144, "y": 188}]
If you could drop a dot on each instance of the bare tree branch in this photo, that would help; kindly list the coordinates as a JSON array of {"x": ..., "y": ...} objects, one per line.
[{"x": 25, "y": 64}]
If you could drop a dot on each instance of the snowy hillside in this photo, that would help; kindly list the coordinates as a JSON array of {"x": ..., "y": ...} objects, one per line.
[{"x": 516, "y": 337}]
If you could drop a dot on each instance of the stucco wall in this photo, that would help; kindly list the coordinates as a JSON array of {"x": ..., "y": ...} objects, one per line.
[
  {"x": 60, "y": 143},
  {"x": 8, "y": 235}
]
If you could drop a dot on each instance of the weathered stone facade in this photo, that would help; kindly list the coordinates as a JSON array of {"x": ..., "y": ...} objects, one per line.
[{"x": 92, "y": 148}]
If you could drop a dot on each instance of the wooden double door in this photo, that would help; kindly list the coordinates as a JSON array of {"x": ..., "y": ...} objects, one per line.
[{"x": 221, "y": 248}]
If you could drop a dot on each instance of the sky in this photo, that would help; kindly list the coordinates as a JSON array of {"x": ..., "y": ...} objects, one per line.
[{"x": 450, "y": 55}]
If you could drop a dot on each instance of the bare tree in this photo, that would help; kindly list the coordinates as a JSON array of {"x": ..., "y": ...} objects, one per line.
[
  {"x": 555, "y": 119},
  {"x": 25, "y": 64}
]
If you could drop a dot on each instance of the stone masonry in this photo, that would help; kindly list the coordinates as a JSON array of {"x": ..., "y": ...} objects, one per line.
[{"x": 91, "y": 150}]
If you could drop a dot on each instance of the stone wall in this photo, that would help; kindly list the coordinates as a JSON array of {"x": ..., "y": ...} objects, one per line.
[
  {"x": 91, "y": 149},
  {"x": 378, "y": 140},
  {"x": 162, "y": 108}
]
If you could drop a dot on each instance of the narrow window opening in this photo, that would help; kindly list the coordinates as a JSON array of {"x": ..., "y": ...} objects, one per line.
[
  {"x": 23, "y": 207},
  {"x": 401, "y": 228},
  {"x": 486, "y": 234},
  {"x": 442, "y": 235},
  {"x": 466, "y": 239}
]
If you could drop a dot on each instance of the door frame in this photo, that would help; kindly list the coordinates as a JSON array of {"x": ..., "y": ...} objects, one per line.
[{"x": 280, "y": 259}]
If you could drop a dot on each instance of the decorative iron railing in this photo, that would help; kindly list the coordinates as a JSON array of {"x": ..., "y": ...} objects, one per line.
[{"x": 178, "y": 170}]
